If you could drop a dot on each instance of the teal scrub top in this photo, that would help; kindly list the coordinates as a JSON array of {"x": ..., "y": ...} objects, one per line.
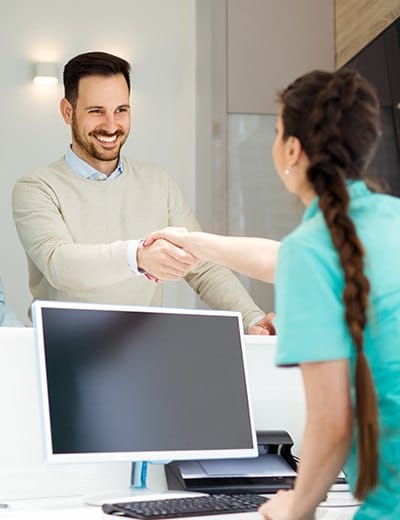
[{"x": 311, "y": 325}]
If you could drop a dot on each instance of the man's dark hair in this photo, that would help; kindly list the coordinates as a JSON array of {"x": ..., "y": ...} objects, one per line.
[{"x": 92, "y": 64}]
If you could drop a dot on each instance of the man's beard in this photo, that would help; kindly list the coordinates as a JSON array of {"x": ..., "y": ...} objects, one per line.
[{"x": 90, "y": 147}]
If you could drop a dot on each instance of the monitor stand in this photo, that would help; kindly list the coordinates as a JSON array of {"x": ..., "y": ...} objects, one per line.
[{"x": 138, "y": 489}]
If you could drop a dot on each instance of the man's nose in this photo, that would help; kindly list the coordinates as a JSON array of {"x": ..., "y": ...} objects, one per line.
[{"x": 109, "y": 123}]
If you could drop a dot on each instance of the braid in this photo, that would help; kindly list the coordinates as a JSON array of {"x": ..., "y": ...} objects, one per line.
[{"x": 331, "y": 162}]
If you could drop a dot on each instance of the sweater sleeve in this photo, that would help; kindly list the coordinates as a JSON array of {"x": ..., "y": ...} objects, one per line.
[
  {"x": 217, "y": 286},
  {"x": 48, "y": 244}
]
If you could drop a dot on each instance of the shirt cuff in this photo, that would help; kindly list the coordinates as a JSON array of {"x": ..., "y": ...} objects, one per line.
[
  {"x": 254, "y": 321},
  {"x": 132, "y": 259}
]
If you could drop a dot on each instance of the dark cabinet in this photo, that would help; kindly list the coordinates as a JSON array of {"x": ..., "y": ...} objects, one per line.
[{"x": 380, "y": 63}]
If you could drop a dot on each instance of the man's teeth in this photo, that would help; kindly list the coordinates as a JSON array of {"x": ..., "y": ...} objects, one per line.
[{"x": 106, "y": 138}]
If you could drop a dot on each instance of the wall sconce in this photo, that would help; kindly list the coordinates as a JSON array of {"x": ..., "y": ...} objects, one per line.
[{"x": 45, "y": 73}]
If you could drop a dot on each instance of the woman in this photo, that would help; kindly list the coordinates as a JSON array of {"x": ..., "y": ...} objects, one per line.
[{"x": 337, "y": 294}]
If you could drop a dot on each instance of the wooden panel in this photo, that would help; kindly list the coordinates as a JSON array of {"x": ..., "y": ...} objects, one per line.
[
  {"x": 270, "y": 43},
  {"x": 358, "y": 22}
]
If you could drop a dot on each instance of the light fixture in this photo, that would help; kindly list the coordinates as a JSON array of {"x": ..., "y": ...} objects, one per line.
[{"x": 45, "y": 73}]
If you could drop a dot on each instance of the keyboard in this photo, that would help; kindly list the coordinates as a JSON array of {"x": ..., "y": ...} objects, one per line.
[{"x": 187, "y": 506}]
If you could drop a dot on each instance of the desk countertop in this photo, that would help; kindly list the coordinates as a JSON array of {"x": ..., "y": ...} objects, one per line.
[
  {"x": 92, "y": 513},
  {"x": 72, "y": 508}
]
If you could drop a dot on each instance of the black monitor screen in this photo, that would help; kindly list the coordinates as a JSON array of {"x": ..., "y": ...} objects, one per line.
[{"x": 141, "y": 383}]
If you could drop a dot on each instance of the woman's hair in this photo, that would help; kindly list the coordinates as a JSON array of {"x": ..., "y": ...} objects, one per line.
[{"x": 335, "y": 116}]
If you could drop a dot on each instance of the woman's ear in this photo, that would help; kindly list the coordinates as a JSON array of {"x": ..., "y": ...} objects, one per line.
[
  {"x": 66, "y": 110},
  {"x": 293, "y": 150}
]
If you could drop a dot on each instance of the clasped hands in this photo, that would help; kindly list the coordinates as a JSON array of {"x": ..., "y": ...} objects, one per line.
[{"x": 164, "y": 256}]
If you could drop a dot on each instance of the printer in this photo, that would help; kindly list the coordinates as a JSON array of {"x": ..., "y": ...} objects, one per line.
[{"x": 273, "y": 469}]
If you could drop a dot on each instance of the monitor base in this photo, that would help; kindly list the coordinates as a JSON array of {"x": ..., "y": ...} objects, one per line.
[
  {"x": 131, "y": 494},
  {"x": 138, "y": 490},
  {"x": 116, "y": 495}
]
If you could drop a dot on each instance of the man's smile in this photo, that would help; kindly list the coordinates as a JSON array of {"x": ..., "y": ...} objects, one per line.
[{"x": 106, "y": 138}]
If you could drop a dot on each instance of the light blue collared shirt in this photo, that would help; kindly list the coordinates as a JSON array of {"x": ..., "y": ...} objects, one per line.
[{"x": 83, "y": 169}]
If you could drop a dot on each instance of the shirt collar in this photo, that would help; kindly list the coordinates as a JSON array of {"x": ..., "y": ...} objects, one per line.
[
  {"x": 356, "y": 189},
  {"x": 83, "y": 169}
]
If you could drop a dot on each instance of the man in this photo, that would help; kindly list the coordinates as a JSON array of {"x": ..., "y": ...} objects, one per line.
[
  {"x": 82, "y": 219},
  {"x": 7, "y": 317}
]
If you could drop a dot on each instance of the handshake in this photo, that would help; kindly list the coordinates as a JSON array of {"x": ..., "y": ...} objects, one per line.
[
  {"x": 163, "y": 256},
  {"x": 169, "y": 254}
]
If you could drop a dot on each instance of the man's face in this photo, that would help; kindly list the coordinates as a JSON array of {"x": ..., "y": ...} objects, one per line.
[{"x": 100, "y": 120}]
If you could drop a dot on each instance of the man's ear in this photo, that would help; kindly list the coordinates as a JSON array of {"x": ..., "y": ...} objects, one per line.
[
  {"x": 66, "y": 110},
  {"x": 293, "y": 150}
]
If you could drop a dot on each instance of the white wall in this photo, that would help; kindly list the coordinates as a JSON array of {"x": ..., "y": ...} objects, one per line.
[{"x": 156, "y": 36}]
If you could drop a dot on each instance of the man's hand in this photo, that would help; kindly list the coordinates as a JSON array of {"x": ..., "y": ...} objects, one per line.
[
  {"x": 164, "y": 261},
  {"x": 264, "y": 326}
]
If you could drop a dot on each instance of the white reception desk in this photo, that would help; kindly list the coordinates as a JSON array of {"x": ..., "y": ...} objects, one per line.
[{"x": 37, "y": 490}]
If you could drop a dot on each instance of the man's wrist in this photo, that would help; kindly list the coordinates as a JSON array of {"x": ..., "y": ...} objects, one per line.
[{"x": 132, "y": 253}]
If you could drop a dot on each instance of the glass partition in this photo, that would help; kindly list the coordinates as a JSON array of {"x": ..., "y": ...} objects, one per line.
[{"x": 258, "y": 204}]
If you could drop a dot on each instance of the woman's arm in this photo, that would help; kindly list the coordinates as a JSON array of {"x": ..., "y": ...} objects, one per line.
[
  {"x": 254, "y": 257},
  {"x": 326, "y": 441}
]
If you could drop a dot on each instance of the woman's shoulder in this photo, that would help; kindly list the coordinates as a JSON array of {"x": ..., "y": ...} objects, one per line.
[{"x": 310, "y": 234}]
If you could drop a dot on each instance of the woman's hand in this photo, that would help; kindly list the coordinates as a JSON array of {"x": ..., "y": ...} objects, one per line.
[
  {"x": 175, "y": 235},
  {"x": 280, "y": 507}
]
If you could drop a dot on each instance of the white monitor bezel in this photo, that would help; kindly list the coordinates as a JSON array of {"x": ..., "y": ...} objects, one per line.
[{"x": 151, "y": 456}]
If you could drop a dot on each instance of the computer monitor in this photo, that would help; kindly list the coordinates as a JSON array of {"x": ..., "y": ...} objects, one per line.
[{"x": 124, "y": 383}]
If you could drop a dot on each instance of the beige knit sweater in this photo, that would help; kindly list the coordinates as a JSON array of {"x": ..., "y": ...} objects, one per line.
[{"x": 75, "y": 233}]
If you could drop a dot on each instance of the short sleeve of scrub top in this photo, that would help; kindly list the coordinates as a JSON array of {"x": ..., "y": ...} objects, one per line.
[{"x": 309, "y": 308}]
